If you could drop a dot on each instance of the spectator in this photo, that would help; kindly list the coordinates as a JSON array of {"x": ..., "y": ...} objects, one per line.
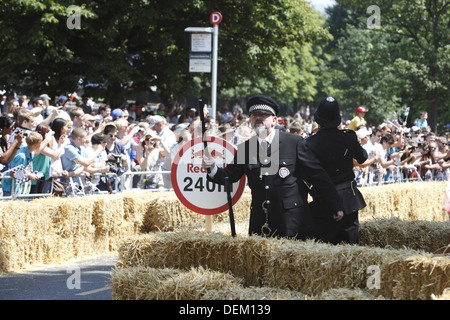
[
  {"x": 115, "y": 151},
  {"x": 358, "y": 121},
  {"x": 374, "y": 149},
  {"x": 77, "y": 118},
  {"x": 23, "y": 157},
  {"x": 150, "y": 156},
  {"x": 75, "y": 160},
  {"x": 427, "y": 162},
  {"x": 116, "y": 114},
  {"x": 104, "y": 111},
  {"x": 159, "y": 124},
  {"x": 60, "y": 140},
  {"x": 63, "y": 104},
  {"x": 416, "y": 134},
  {"x": 422, "y": 121},
  {"x": 125, "y": 137},
  {"x": 297, "y": 128},
  {"x": 87, "y": 105},
  {"x": 99, "y": 165},
  {"x": 25, "y": 121},
  {"x": 42, "y": 162},
  {"x": 8, "y": 150},
  {"x": 12, "y": 105}
]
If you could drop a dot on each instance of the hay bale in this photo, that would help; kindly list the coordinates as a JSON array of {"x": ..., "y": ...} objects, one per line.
[
  {"x": 26, "y": 235},
  {"x": 165, "y": 213},
  {"x": 406, "y": 201},
  {"x": 144, "y": 283},
  {"x": 52, "y": 230},
  {"x": 307, "y": 267},
  {"x": 395, "y": 233}
]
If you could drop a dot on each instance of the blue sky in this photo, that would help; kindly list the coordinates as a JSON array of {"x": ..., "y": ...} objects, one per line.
[{"x": 322, "y": 4}]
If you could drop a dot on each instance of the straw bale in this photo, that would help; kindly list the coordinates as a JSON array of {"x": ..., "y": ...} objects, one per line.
[
  {"x": 25, "y": 236},
  {"x": 307, "y": 267},
  {"x": 395, "y": 233},
  {"x": 53, "y": 229},
  {"x": 444, "y": 296},
  {"x": 407, "y": 201},
  {"x": 347, "y": 294},
  {"x": 145, "y": 283},
  {"x": 166, "y": 213}
]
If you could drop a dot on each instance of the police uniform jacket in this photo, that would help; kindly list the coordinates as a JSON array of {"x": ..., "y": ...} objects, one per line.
[
  {"x": 288, "y": 212},
  {"x": 336, "y": 150}
]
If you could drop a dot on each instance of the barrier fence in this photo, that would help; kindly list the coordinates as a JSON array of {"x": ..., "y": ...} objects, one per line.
[{"x": 82, "y": 185}]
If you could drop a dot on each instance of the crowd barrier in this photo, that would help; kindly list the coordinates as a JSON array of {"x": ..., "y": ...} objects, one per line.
[
  {"x": 127, "y": 182},
  {"x": 81, "y": 183}
]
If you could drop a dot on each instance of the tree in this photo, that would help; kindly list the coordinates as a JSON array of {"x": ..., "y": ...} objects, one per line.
[
  {"x": 423, "y": 28},
  {"x": 142, "y": 43}
]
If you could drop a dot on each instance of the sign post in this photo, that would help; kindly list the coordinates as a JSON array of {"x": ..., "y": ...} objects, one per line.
[
  {"x": 189, "y": 180},
  {"x": 200, "y": 55}
]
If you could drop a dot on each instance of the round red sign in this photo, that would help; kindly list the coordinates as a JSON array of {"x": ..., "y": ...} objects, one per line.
[
  {"x": 215, "y": 18},
  {"x": 189, "y": 180}
]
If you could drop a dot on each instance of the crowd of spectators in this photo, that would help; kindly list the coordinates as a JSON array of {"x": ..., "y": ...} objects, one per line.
[{"x": 69, "y": 145}]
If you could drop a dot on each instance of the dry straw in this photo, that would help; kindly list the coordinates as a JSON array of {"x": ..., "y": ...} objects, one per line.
[
  {"x": 53, "y": 230},
  {"x": 146, "y": 283},
  {"x": 308, "y": 267}
]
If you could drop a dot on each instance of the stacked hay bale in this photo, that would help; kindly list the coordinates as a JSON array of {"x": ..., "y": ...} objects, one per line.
[
  {"x": 302, "y": 267},
  {"x": 52, "y": 230}
]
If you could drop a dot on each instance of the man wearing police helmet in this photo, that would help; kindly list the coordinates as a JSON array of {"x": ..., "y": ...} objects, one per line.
[
  {"x": 275, "y": 173},
  {"x": 336, "y": 150}
]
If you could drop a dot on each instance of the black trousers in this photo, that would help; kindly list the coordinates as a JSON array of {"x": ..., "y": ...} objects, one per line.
[{"x": 331, "y": 231}]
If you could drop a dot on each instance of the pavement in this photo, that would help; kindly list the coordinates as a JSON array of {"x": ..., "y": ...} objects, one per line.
[{"x": 85, "y": 279}]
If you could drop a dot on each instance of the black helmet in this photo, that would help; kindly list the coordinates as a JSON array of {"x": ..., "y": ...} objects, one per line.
[{"x": 328, "y": 114}]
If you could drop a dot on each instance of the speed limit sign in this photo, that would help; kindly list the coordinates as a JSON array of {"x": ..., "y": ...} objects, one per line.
[{"x": 189, "y": 180}]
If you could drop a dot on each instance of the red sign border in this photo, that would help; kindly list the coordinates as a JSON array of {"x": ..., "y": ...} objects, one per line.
[
  {"x": 187, "y": 146},
  {"x": 215, "y": 24}
]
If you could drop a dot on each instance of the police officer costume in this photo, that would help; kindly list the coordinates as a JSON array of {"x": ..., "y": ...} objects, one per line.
[
  {"x": 279, "y": 195},
  {"x": 336, "y": 150}
]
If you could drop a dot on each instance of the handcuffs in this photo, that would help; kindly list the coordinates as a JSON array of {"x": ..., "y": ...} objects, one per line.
[{"x": 265, "y": 229}]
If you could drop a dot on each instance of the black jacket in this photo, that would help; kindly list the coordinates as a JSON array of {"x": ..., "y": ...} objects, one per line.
[
  {"x": 291, "y": 162},
  {"x": 336, "y": 150}
]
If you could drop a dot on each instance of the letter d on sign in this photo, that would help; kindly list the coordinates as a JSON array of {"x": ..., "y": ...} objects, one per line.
[{"x": 215, "y": 18}]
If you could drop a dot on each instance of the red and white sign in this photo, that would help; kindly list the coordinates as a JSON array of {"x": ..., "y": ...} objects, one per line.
[
  {"x": 189, "y": 178},
  {"x": 215, "y": 18}
]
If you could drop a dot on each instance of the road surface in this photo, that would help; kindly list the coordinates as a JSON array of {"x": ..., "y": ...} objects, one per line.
[{"x": 79, "y": 280}]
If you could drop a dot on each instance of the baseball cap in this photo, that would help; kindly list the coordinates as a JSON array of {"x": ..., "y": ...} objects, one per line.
[
  {"x": 361, "y": 109},
  {"x": 154, "y": 120},
  {"x": 363, "y": 132},
  {"x": 116, "y": 113}
]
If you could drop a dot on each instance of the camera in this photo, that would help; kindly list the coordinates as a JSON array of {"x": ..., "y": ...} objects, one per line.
[
  {"x": 114, "y": 165},
  {"x": 25, "y": 131}
]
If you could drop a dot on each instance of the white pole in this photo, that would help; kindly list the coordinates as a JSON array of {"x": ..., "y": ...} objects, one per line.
[{"x": 214, "y": 70}]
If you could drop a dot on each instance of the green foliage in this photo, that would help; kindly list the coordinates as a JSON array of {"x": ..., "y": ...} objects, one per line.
[{"x": 142, "y": 43}]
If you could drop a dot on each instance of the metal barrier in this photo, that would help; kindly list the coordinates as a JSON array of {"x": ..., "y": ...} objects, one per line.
[
  {"x": 121, "y": 183},
  {"x": 124, "y": 182}
]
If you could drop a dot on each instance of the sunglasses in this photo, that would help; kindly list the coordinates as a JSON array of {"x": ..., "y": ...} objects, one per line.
[{"x": 113, "y": 135}]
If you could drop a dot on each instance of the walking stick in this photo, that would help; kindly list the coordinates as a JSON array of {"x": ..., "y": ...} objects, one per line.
[
  {"x": 230, "y": 206},
  {"x": 208, "y": 218}
]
